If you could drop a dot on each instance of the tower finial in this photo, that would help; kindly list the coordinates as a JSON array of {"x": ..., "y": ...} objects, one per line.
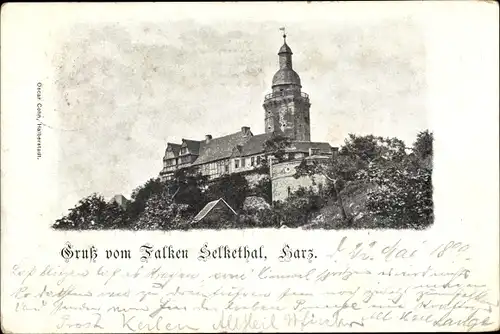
[{"x": 284, "y": 33}]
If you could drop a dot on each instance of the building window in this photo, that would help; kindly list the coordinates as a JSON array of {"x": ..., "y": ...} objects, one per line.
[
  {"x": 212, "y": 169},
  {"x": 258, "y": 160},
  {"x": 252, "y": 161},
  {"x": 226, "y": 169},
  {"x": 243, "y": 163},
  {"x": 236, "y": 163},
  {"x": 289, "y": 190},
  {"x": 184, "y": 150}
]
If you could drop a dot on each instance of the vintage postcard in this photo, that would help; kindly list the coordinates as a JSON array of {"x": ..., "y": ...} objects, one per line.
[{"x": 249, "y": 167}]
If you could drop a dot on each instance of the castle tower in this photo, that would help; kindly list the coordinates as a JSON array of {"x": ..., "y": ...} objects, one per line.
[{"x": 287, "y": 108}]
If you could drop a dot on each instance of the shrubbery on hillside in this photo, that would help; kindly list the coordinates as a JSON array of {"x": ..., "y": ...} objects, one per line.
[
  {"x": 373, "y": 182},
  {"x": 389, "y": 184}
]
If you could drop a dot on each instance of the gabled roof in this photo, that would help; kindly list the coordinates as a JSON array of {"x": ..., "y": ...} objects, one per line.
[
  {"x": 120, "y": 200},
  {"x": 174, "y": 147},
  {"x": 242, "y": 143},
  {"x": 207, "y": 208},
  {"x": 221, "y": 147},
  {"x": 255, "y": 144},
  {"x": 192, "y": 145}
]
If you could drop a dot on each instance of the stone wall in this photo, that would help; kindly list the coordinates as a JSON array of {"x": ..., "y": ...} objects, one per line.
[
  {"x": 290, "y": 114},
  {"x": 254, "y": 178},
  {"x": 283, "y": 183}
]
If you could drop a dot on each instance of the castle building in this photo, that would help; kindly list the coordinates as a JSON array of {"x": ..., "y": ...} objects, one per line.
[
  {"x": 287, "y": 108},
  {"x": 286, "y": 113}
]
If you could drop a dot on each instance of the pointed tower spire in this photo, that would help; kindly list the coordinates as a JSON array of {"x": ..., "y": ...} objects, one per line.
[
  {"x": 284, "y": 34},
  {"x": 285, "y": 53},
  {"x": 287, "y": 107}
]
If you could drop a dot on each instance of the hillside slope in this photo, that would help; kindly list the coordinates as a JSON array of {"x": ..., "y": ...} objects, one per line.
[{"x": 354, "y": 198}]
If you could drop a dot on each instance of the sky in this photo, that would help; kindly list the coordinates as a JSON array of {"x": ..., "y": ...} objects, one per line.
[{"x": 125, "y": 89}]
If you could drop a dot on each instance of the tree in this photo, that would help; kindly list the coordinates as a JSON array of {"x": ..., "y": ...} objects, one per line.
[
  {"x": 277, "y": 145},
  {"x": 263, "y": 189},
  {"x": 422, "y": 147},
  {"x": 298, "y": 208},
  {"x": 114, "y": 217},
  {"x": 403, "y": 196},
  {"x": 141, "y": 194},
  {"x": 190, "y": 186},
  {"x": 364, "y": 151},
  {"x": 232, "y": 188},
  {"x": 263, "y": 168},
  {"x": 161, "y": 212},
  {"x": 332, "y": 171},
  {"x": 352, "y": 163},
  {"x": 86, "y": 215}
]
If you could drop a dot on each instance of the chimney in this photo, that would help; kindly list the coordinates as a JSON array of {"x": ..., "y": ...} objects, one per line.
[
  {"x": 245, "y": 130},
  {"x": 335, "y": 151},
  {"x": 208, "y": 138}
]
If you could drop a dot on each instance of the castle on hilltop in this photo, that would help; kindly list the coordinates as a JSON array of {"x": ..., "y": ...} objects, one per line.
[{"x": 286, "y": 113}]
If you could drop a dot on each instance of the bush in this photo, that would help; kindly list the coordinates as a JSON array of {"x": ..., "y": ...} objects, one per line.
[
  {"x": 93, "y": 213},
  {"x": 162, "y": 213},
  {"x": 232, "y": 188},
  {"x": 299, "y": 207}
]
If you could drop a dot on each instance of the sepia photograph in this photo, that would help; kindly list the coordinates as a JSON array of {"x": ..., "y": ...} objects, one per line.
[{"x": 237, "y": 126}]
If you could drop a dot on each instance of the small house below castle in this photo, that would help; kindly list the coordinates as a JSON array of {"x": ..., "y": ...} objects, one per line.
[
  {"x": 121, "y": 200},
  {"x": 215, "y": 213}
]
